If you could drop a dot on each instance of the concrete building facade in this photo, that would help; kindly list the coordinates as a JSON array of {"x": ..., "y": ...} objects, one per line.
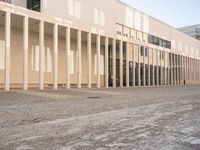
[{"x": 91, "y": 43}]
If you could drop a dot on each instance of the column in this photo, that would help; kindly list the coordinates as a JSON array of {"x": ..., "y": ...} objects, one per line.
[
  {"x": 68, "y": 47},
  {"x": 7, "y": 50},
  {"x": 114, "y": 62},
  {"x": 79, "y": 58},
  {"x": 149, "y": 69},
  {"x": 168, "y": 69},
  {"x": 98, "y": 44},
  {"x": 55, "y": 56},
  {"x": 172, "y": 70},
  {"x": 133, "y": 48},
  {"x": 106, "y": 62},
  {"x": 41, "y": 61},
  {"x": 25, "y": 48},
  {"x": 165, "y": 70},
  {"x": 177, "y": 68},
  {"x": 153, "y": 73},
  {"x": 157, "y": 72},
  {"x": 144, "y": 68},
  {"x": 139, "y": 77},
  {"x": 127, "y": 64},
  {"x": 89, "y": 44},
  {"x": 121, "y": 62}
]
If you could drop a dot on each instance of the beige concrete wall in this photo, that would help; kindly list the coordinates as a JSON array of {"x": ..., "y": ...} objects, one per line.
[{"x": 16, "y": 75}]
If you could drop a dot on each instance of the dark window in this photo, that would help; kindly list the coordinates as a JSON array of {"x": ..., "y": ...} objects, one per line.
[
  {"x": 156, "y": 41},
  {"x": 160, "y": 42},
  {"x": 146, "y": 52},
  {"x": 142, "y": 51},
  {"x": 33, "y": 5}
]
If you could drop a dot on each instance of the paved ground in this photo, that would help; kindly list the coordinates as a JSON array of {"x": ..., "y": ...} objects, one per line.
[{"x": 159, "y": 118}]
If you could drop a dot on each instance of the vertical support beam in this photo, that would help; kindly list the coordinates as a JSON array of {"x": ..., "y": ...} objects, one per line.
[
  {"x": 144, "y": 67},
  {"x": 7, "y": 50},
  {"x": 133, "y": 49},
  {"x": 89, "y": 44},
  {"x": 55, "y": 56},
  {"x": 168, "y": 69},
  {"x": 25, "y": 49},
  {"x": 41, "y": 45},
  {"x": 121, "y": 62},
  {"x": 98, "y": 44},
  {"x": 157, "y": 68},
  {"x": 106, "y": 62},
  {"x": 177, "y": 68},
  {"x": 149, "y": 69},
  {"x": 139, "y": 77},
  {"x": 172, "y": 70},
  {"x": 79, "y": 58},
  {"x": 68, "y": 47},
  {"x": 114, "y": 62},
  {"x": 153, "y": 73},
  {"x": 165, "y": 70},
  {"x": 127, "y": 65},
  {"x": 161, "y": 68}
]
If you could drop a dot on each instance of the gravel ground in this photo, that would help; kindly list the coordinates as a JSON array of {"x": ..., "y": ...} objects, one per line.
[{"x": 158, "y": 118}]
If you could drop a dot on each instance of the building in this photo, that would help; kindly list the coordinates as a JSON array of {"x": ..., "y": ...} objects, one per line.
[
  {"x": 193, "y": 31},
  {"x": 91, "y": 43}
]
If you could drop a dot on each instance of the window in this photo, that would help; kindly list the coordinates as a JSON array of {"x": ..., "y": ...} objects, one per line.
[
  {"x": 158, "y": 41},
  {"x": 33, "y": 5},
  {"x": 146, "y": 52},
  {"x": 7, "y": 1},
  {"x": 141, "y": 51}
]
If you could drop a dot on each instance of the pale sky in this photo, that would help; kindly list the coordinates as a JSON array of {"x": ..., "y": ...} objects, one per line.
[{"x": 177, "y": 13}]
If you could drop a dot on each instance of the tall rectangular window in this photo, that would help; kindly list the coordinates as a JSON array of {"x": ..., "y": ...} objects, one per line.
[{"x": 34, "y": 5}]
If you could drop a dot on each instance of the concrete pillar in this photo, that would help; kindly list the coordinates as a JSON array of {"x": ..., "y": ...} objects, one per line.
[
  {"x": 89, "y": 45},
  {"x": 153, "y": 73},
  {"x": 149, "y": 69},
  {"x": 41, "y": 45},
  {"x": 144, "y": 68},
  {"x": 127, "y": 64},
  {"x": 79, "y": 58},
  {"x": 7, "y": 50},
  {"x": 168, "y": 69},
  {"x": 177, "y": 68},
  {"x": 68, "y": 47},
  {"x": 161, "y": 68},
  {"x": 157, "y": 72},
  {"x": 165, "y": 70},
  {"x": 114, "y": 62},
  {"x": 25, "y": 49},
  {"x": 121, "y": 62},
  {"x": 55, "y": 56},
  {"x": 98, "y": 44},
  {"x": 106, "y": 62},
  {"x": 172, "y": 70},
  {"x": 139, "y": 77},
  {"x": 133, "y": 48}
]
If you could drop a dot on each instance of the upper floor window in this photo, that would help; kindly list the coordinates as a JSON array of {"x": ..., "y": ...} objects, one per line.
[
  {"x": 7, "y": 1},
  {"x": 34, "y": 5}
]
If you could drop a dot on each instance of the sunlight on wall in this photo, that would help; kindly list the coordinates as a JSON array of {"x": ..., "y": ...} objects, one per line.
[
  {"x": 74, "y": 8},
  {"x": 2, "y": 55},
  {"x": 99, "y": 17},
  {"x": 101, "y": 64},
  {"x": 129, "y": 17},
  {"x": 137, "y": 20},
  {"x": 145, "y": 23}
]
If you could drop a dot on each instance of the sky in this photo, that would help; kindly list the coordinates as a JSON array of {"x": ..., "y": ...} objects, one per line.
[{"x": 177, "y": 13}]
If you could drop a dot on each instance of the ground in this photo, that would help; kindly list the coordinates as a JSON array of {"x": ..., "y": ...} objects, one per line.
[{"x": 157, "y": 118}]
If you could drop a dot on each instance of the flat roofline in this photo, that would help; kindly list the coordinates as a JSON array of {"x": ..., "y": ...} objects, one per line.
[{"x": 171, "y": 27}]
